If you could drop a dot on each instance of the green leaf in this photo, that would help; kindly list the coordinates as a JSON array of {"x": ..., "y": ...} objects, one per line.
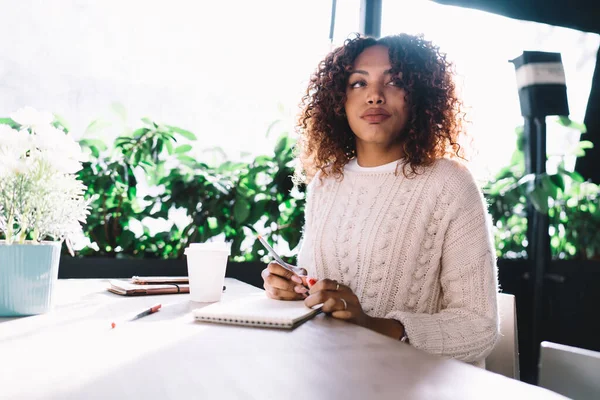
[
  {"x": 578, "y": 152},
  {"x": 93, "y": 142},
  {"x": 149, "y": 122},
  {"x": 271, "y": 126},
  {"x": 539, "y": 199},
  {"x": 96, "y": 126},
  {"x": 119, "y": 109},
  {"x": 126, "y": 239},
  {"x": 138, "y": 133},
  {"x": 59, "y": 120},
  {"x": 186, "y": 159},
  {"x": 146, "y": 164},
  {"x": 549, "y": 189},
  {"x": 520, "y": 132},
  {"x": 281, "y": 145},
  {"x": 263, "y": 160},
  {"x": 137, "y": 158},
  {"x": 9, "y": 122},
  {"x": 258, "y": 210},
  {"x": 566, "y": 121},
  {"x": 500, "y": 187},
  {"x": 186, "y": 134},
  {"x": 585, "y": 144},
  {"x": 123, "y": 140},
  {"x": 213, "y": 223},
  {"x": 159, "y": 147},
  {"x": 576, "y": 176},
  {"x": 169, "y": 146},
  {"x": 558, "y": 180},
  {"x": 131, "y": 192},
  {"x": 95, "y": 151},
  {"x": 184, "y": 148},
  {"x": 241, "y": 210},
  {"x": 230, "y": 166}
]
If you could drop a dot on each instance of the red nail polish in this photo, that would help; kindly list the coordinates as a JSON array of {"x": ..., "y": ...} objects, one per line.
[{"x": 311, "y": 281}]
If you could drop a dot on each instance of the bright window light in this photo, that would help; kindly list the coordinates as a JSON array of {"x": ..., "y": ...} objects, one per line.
[
  {"x": 481, "y": 45},
  {"x": 222, "y": 69}
]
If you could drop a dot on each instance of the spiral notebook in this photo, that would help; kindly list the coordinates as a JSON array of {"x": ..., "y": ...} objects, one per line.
[{"x": 257, "y": 310}]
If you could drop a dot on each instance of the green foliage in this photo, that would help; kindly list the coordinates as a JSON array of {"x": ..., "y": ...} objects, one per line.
[
  {"x": 234, "y": 199},
  {"x": 237, "y": 199},
  {"x": 571, "y": 204}
]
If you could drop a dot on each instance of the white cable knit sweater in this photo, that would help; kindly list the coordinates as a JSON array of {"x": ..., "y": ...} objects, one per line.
[{"x": 418, "y": 250}]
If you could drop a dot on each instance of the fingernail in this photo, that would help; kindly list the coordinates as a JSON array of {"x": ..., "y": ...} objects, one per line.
[
  {"x": 311, "y": 281},
  {"x": 300, "y": 289},
  {"x": 296, "y": 279}
]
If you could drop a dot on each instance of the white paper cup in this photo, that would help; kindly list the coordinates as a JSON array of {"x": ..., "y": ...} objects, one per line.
[{"x": 206, "y": 269}]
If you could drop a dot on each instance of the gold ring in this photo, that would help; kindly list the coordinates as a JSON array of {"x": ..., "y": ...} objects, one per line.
[{"x": 345, "y": 304}]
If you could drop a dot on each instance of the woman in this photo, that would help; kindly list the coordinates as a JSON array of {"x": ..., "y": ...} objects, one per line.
[{"x": 396, "y": 235}]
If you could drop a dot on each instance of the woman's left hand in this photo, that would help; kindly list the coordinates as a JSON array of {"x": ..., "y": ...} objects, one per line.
[{"x": 338, "y": 300}]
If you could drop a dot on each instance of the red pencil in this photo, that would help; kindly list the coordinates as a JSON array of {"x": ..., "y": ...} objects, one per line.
[{"x": 148, "y": 311}]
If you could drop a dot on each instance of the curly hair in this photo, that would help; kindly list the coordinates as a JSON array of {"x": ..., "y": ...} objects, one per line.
[{"x": 326, "y": 142}]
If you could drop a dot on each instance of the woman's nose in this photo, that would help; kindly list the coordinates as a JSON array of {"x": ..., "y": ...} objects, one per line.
[{"x": 375, "y": 96}]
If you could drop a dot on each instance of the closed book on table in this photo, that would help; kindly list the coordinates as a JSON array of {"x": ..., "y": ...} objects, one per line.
[{"x": 140, "y": 286}]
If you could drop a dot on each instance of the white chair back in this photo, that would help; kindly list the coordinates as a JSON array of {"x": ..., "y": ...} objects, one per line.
[
  {"x": 504, "y": 358},
  {"x": 570, "y": 371}
]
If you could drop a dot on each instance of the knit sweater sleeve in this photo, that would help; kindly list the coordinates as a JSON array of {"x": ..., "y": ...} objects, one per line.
[
  {"x": 467, "y": 327},
  {"x": 306, "y": 246}
]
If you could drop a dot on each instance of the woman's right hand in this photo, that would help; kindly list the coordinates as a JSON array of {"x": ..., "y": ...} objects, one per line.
[{"x": 281, "y": 284}]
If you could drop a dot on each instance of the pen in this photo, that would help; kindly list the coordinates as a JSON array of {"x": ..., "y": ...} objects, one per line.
[
  {"x": 277, "y": 258},
  {"x": 148, "y": 311}
]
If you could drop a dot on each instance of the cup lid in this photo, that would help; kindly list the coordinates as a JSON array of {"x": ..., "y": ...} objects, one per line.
[{"x": 209, "y": 246}]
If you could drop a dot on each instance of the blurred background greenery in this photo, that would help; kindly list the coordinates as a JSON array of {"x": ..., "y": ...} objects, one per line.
[
  {"x": 151, "y": 198},
  {"x": 195, "y": 201}
]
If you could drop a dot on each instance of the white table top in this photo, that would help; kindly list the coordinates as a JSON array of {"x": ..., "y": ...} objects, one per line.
[{"x": 72, "y": 353}]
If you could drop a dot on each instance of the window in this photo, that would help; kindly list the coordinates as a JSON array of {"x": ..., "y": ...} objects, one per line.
[
  {"x": 222, "y": 69},
  {"x": 481, "y": 45}
]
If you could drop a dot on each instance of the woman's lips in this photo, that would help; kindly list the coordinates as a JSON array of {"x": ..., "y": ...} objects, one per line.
[
  {"x": 375, "y": 118},
  {"x": 375, "y": 115}
]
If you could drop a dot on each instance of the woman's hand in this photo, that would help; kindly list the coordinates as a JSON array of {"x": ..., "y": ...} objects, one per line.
[
  {"x": 282, "y": 284},
  {"x": 338, "y": 300}
]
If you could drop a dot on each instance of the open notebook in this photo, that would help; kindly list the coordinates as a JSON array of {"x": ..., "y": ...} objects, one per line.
[{"x": 257, "y": 310}]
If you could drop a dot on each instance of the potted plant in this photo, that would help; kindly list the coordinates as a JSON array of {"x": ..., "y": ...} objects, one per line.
[{"x": 41, "y": 205}]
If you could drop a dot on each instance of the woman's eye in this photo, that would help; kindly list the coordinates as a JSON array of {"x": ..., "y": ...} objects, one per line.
[
  {"x": 396, "y": 82},
  {"x": 357, "y": 84}
]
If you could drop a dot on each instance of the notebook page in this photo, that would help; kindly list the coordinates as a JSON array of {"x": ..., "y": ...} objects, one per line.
[{"x": 256, "y": 309}]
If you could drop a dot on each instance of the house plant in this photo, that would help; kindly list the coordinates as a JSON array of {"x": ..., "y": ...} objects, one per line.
[
  {"x": 41, "y": 205},
  {"x": 226, "y": 198},
  {"x": 573, "y": 205}
]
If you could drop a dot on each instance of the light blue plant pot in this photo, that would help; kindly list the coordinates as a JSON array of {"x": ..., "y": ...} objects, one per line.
[{"x": 28, "y": 274}]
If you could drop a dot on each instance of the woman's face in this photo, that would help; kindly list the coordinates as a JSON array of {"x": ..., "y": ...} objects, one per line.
[{"x": 375, "y": 101}]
